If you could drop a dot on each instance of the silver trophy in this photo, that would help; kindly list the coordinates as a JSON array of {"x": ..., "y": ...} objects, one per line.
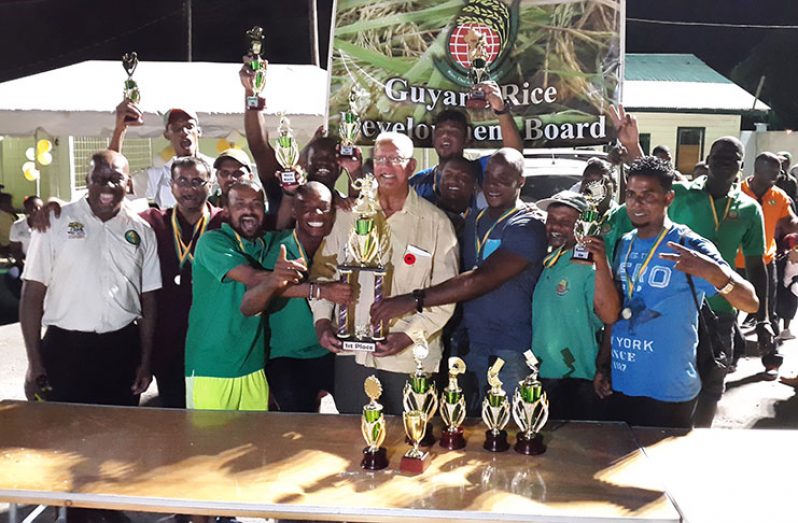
[
  {"x": 589, "y": 222},
  {"x": 530, "y": 410}
]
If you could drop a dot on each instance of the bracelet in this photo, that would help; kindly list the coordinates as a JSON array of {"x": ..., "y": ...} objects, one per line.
[
  {"x": 311, "y": 290},
  {"x": 506, "y": 109},
  {"x": 419, "y": 294},
  {"x": 726, "y": 289}
]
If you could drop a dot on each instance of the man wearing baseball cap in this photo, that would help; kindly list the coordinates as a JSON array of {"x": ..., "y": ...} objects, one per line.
[
  {"x": 572, "y": 302},
  {"x": 232, "y": 166}
]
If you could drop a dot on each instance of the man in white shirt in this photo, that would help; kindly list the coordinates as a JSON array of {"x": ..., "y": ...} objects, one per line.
[
  {"x": 20, "y": 230},
  {"x": 91, "y": 280}
]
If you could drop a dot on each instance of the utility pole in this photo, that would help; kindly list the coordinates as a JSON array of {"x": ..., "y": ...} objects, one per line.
[
  {"x": 189, "y": 30},
  {"x": 313, "y": 19}
]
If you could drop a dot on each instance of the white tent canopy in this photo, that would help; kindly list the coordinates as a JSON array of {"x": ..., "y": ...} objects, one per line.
[{"x": 79, "y": 99}]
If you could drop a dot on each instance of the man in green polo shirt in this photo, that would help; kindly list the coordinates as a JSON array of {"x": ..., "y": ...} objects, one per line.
[
  {"x": 572, "y": 302},
  {"x": 226, "y": 334}
]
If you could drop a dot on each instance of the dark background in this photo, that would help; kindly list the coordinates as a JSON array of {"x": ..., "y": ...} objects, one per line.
[{"x": 39, "y": 35}]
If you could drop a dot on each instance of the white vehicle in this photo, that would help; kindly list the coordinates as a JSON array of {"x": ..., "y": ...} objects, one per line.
[{"x": 549, "y": 171}]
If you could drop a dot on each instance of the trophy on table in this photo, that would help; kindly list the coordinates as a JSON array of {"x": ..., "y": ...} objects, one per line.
[
  {"x": 414, "y": 460},
  {"x": 530, "y": 410},
  {"x": 496, "y": 411},
  {"x": 478, "y": 56},
  {"x": 420, "y": 393},
  {"x": 587, "y": 224},
  {"x": 372, "y": 425},
  {"x": 453, "y": 407},
  {"x": 365, "y": 264},
  {"x": 286, "y": 151},
  {"x": 349, "y": 126},
  {"x": 129, "y": 62},
  {"x": 256, "y": 102}
]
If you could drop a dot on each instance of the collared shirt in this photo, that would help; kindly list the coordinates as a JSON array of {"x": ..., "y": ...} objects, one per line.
[
  {"x": 426, "y": 182},
  {"x": 95, "y": 271},
  {"x": 775, "y": 206},
  {"x": 20, "y": 233},
  {"x": 159, "y": 182},
  {"x": 422, "y": 230}
]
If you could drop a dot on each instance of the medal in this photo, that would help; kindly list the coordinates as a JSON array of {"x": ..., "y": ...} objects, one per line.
[
  {"x": 632, "y": 281},
  {"x": 626, "y": 313},
  {"x": 177, "y": 280},
  {"x": 183, "y": 251}
]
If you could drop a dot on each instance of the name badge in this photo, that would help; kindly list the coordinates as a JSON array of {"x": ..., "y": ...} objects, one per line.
[{"x": 490, "y": 247}]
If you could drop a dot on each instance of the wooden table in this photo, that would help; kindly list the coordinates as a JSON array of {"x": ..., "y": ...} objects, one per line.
[
  {"x": 307, "y": 466},
  {"x": 726, "y": 475}
]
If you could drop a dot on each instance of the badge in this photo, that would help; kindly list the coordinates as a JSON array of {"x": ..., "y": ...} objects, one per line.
[
  {"x": 562, "y": 288},
  {"x": 410, "y": 258},
  {"x": 626, "y": 313},
  {"x": 772, "y": 201},
  {"x": 76, "y": 231},
  {"x": 133, "y": 237},
  {"x": 732, "y": 215}
]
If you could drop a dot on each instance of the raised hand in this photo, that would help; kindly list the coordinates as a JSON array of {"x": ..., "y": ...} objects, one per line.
[{"x": 287, "y": 272}]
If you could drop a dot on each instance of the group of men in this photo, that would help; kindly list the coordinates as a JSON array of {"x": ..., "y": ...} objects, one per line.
[{"x": 226, "y": 290}]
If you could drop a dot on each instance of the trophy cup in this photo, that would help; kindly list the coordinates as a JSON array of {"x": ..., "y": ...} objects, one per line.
[
  {"x": 496, "y": 411},
  {"x": 420, "y": 393},
  {"x": 588, "y": 223},
  {"x": 287, "y": 152},
  {"x": 453, "y": 408},
  {"x": 365, "y": 264},
  {"x": 530, "y": 410},
  {"x": 349, "y": 127},
  {"x": 372, "y": 425},
  {"x": 414, "y": 460},
  {"x": 256, "y": 102},
  {"x": 478, "y": 55},
  {"x": 129, "y": 62}
]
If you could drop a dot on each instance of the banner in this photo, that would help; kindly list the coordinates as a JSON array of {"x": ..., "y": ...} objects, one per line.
[{"x": 403, "y": 61}]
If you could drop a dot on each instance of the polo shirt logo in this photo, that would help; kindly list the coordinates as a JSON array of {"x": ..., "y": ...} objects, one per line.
[
  {"x": 75, "y": 231},
  {"x": 562, "y": 288},
  {"x": 732, "y": 215},
  {"x": 133, "y": 237},
  {"x": 772, "y": 201}
]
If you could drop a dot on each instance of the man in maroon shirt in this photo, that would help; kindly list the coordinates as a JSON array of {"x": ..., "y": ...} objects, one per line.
[{"x": 177, "y": 230}]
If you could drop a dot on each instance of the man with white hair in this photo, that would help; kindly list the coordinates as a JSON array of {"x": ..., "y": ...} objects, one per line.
[{"x": 423, "y": 253}]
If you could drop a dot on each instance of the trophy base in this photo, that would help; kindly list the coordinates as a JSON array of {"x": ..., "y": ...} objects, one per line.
[
  {"x": 288, "y": 178},
  {"x": 427, "y": 441},
  {"x": 255, "y": 103},
  {"x": 496, "y": 442},
  {"x": 453, "y": 440},
  {"x": 413, "y": 465},
  {"x": 374, "y": 460},
  {"x": 477, "y": 101},
  {"x": 530, "y": 446},
  {"x": 359, "y": 345},
  {"x": 582, "y": 255}
]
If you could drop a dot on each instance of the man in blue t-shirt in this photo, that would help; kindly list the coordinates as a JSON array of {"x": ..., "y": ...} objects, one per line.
[
  {"x": 653, "y": 377},
  {"x": 503, "y": 249}
]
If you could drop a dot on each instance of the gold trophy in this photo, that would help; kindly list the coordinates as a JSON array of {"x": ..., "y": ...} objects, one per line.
[
  {"x": 286, "y": 151},
  {"x": 372, "y": 425},
  {"x": 420, "y": 392},
  {"x": 349, "y": 126},
  {"x": 414, "y": 461},
  {"x": 129, "y": 62},
  {"x": 530, "y": 410},
  {"x": 453, "y": 408},
  {"x": 367, "y": 252},
  {"x": 588, "y": 223},
  {"x": 256, "y": 102},
  {"x": 478, "y": 55},
  {"x": 496, "y": 411}
]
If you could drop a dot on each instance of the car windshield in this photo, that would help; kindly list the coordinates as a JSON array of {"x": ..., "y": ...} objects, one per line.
[{"x": 542, "y": 186}]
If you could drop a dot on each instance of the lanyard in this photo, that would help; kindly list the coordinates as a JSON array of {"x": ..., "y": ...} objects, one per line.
[
  {"x": 302, "y": 254},
  {"x": 243, "y": 251},
  {"x": 185, "y": 252},
  {"x": 715, "y": 212},
  {"x": 630, "y": 285},
  {"x": 479, "y": 245},
  {"x": 552, "y": 259}
]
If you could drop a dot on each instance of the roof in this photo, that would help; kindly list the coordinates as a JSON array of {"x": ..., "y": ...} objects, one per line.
[{"x": 682, "y": 82}]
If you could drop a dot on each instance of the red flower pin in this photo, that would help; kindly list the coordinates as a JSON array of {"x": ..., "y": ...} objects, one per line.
[{"x": 410, "y": 258}]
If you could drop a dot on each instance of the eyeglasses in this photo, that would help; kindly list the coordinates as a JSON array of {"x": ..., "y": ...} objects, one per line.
[
  {"x": 194, "y": 183},
  {"x": 389, "y": 160}
]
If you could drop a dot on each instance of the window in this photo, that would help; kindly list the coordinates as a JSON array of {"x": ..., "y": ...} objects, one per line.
[
  {"x": 645, "y": 143},
  {"x": 689, "y": 148}
]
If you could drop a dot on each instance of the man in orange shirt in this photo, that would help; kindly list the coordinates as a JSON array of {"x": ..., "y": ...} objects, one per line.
[{"x": 779, "y": 216}]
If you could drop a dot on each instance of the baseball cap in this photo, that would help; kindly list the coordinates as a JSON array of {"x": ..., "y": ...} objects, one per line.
[
  {"x": 571, "y": 199},
  {"x": 167, "y": 116},
  {"x": 234, "y": 154}
]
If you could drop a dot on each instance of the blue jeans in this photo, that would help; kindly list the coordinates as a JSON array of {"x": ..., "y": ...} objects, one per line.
[{"x": 475, "y": 380}]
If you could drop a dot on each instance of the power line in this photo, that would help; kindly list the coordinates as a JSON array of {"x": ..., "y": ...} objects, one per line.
[{"x": 710, "y": 24}]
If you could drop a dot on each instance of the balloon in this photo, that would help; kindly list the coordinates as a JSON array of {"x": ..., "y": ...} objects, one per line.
[
  {"x": 30, "y": 171},
  {"x": 30, "y": 153},
  {"x": 45, "y": 158},
  {"x": 222, "y": 145},
  {"x": 167, "y": 153},
  {"x": 43, "y": 146}
]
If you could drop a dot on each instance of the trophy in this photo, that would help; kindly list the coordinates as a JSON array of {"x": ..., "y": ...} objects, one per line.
[
  {"x": 287, "y": 153},
  {"x": 588, "y": 223},
  {"x": 129, "y": 62},
  {"x": 530, "y": 410},
  {"x": 349, "y": 127},
  {"x": 496, "y": 411},
  {"x": 453, "y": 408},
  {"x": 256, "y": 102},
  {"x": 372, "y": 425},
  {"x": 366, "y": 254},
  {"x": 414, "y": 460},
  {"x": 478, "y": 55},
  {"x": 420, "y": 393}
]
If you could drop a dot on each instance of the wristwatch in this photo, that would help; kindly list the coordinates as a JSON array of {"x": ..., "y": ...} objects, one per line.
[
  {"x": 419, "y": 294},
  {"x": 726, "y": 289},
  {"x": 506, "y": 109}
]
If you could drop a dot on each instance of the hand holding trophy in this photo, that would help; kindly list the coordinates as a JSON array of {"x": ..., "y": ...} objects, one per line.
[
  {"x": 453, "y": 408},
  {"x": 372, "y": 425},
  {"x": 256, "y": 102},
  {"x": 496, "y": 411},
  {"x": 530, "y": 410},
  {"x": 420, "y": 393},
  {"x": 588, "y": 223},
  {"x": 479, "y": 57},
  {"x": 131, "y": 92},
  {"x": 349, "y": 126},
  {"x": 286, "y": 151}
]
